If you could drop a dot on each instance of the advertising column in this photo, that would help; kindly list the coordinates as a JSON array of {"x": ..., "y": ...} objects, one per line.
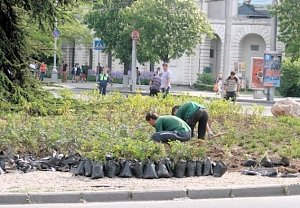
[
  {"x": 271, "y": 72},
  {"x": 257, "y": 66}
]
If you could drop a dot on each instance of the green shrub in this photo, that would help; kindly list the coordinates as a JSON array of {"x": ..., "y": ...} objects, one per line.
[
  {"x": 290, "y": 80},
  {"x": 205, "y": 81}
]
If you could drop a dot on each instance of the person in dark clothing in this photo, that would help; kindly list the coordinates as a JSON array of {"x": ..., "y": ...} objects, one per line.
[
  {"x": 64, "y": 72},
  {"x": 104, "y": 78},
  {"x": 155, "y": 83},
  {"x": 193, "y": 113},
  {"x": 168, "y": 128}
]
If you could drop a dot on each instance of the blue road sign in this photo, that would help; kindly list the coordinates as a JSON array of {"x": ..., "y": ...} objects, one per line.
[
  {"x": 99, "y": 45},
  {"x": 56, "y": 33}
]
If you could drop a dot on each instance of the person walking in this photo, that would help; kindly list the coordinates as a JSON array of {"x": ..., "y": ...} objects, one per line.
[
  {"x": 104, "y": 78},
  {"x": 64, "y": 72},
  {"x": 168, "y": 128},
  {"x": 232, "y": 86},
  {"x": 155, "y": 83},
  {"x": 78, "y": 73},
  {"x": 43, "y": 69},
  {"x": 138, "y": 76},
  {"x": 166, "y": 80},
  {"x": 193, "y": 113},
  {"x": 219, "y": 83},
  {"x": 84, "y": 73}
]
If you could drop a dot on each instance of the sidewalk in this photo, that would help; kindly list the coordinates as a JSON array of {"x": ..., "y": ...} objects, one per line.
[{"x": 144, "y": 89}]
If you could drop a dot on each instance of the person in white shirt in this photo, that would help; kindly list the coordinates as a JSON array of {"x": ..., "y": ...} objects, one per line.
[{"x": 166, "y": 80}]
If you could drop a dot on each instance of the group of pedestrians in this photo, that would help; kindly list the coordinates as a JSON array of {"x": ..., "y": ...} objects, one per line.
[
  {"x": 79, "y": 73},
  {"x": 161, "y": 82},
  {"x": 38, "y": 70}
]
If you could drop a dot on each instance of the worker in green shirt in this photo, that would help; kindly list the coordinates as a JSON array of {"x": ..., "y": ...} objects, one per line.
[
  {"x": 168, "y": 128},
  {"x": 193, "y": 113}
]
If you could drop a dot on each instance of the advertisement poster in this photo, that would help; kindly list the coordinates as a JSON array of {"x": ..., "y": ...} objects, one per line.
[
  {"x": 254, "y": 8},
  {"x": 272, "y": 66},
  {"x": 257, "y": 67}
]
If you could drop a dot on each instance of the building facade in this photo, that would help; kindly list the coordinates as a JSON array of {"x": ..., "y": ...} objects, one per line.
[{"x": 250, "y": 37}]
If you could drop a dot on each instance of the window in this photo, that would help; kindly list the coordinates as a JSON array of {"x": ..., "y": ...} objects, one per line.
[
  {"x": 254, "y": 47},
  {"x": 211, "y": 53}
]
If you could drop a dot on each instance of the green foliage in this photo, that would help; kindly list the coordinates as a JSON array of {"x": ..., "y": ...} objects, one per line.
[
  {"x": 108, "y": 25},
  {"x": 185, "y": 151},
  {"x": 287, "y": 12},
  {"x": 205, "y": 81},
  {"x": 290, "y": 80},
  {"x": 96, "y": 125},
  {"x": 18, "y": 31},
  {"x": 164, "y": 26}
]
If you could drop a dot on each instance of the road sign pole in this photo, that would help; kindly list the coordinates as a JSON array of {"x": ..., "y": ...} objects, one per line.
[
  {"x": 135, "y": 36},
  {"x": 133, "y": 66},
  {"x": 98, "y": 66}
]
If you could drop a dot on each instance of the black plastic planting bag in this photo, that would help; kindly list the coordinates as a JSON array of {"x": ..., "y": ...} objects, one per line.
[
  {"x": 266, "y": 162},
  {"x": 207, "y": 170},
  {"x": 180, "y": 168},
  {"x": 80, "y": 169},
  {"x": 71, "y": 160},
  {"x": 149, "y": 171},
  {"x": 88, "y": 168},
  {"x": 219, "y": 169},
  {"x": 97, "y": 171},
  {"x": 112, "y": 168},
  {"x": 199, "y": 168},
  {"x": 250, "y": 162},
  {"x": 137, "y": 169},
  {"x": 126, "y": 170},
  {"x": 161, "y": 170},
  {"x": 170, "y": 167},
  {"x": 191, "y": 168}
]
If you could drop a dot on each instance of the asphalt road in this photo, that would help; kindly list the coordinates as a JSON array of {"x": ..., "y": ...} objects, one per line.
[{"x": 258, "y": 202}]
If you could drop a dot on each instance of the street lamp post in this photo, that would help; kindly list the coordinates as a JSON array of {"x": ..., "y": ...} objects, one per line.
[
  {"x": 55, "y": 35},
  {"x": 135, "y": 36},
  {"x": 227, "y": 43},
  {"x": 271, "y": 90}
]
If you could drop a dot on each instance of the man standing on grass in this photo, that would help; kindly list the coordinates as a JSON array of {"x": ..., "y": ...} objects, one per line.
[{"x": 168, "y": 128}]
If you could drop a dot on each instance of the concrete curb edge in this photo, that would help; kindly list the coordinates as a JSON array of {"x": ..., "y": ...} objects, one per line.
[{"x": 113, "y": 196}]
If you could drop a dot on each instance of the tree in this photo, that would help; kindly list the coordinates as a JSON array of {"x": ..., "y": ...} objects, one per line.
[
  {"x": 168, "y": 28},
  {"x": 290, "y": 80},
  {"x": 15, "y": 82},
  {"x": 288, "y": 15},
  {"x": 108, "y": 25}
]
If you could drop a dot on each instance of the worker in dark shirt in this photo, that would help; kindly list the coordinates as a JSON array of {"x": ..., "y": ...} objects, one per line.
[{"x": 193, "y": 113}]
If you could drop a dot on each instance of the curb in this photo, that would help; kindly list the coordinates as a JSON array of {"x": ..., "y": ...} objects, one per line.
[
  {"x": 150, "y": 195},
  {"x": 239, "y": 100}
]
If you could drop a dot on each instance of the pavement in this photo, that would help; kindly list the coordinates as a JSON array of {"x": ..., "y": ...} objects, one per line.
[
  {"x": 175, "y": 90},
  {"x": 150, "y": 195}
]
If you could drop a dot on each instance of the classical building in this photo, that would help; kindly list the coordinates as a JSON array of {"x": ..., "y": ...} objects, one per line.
[{"x": 250, "y": 37}]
